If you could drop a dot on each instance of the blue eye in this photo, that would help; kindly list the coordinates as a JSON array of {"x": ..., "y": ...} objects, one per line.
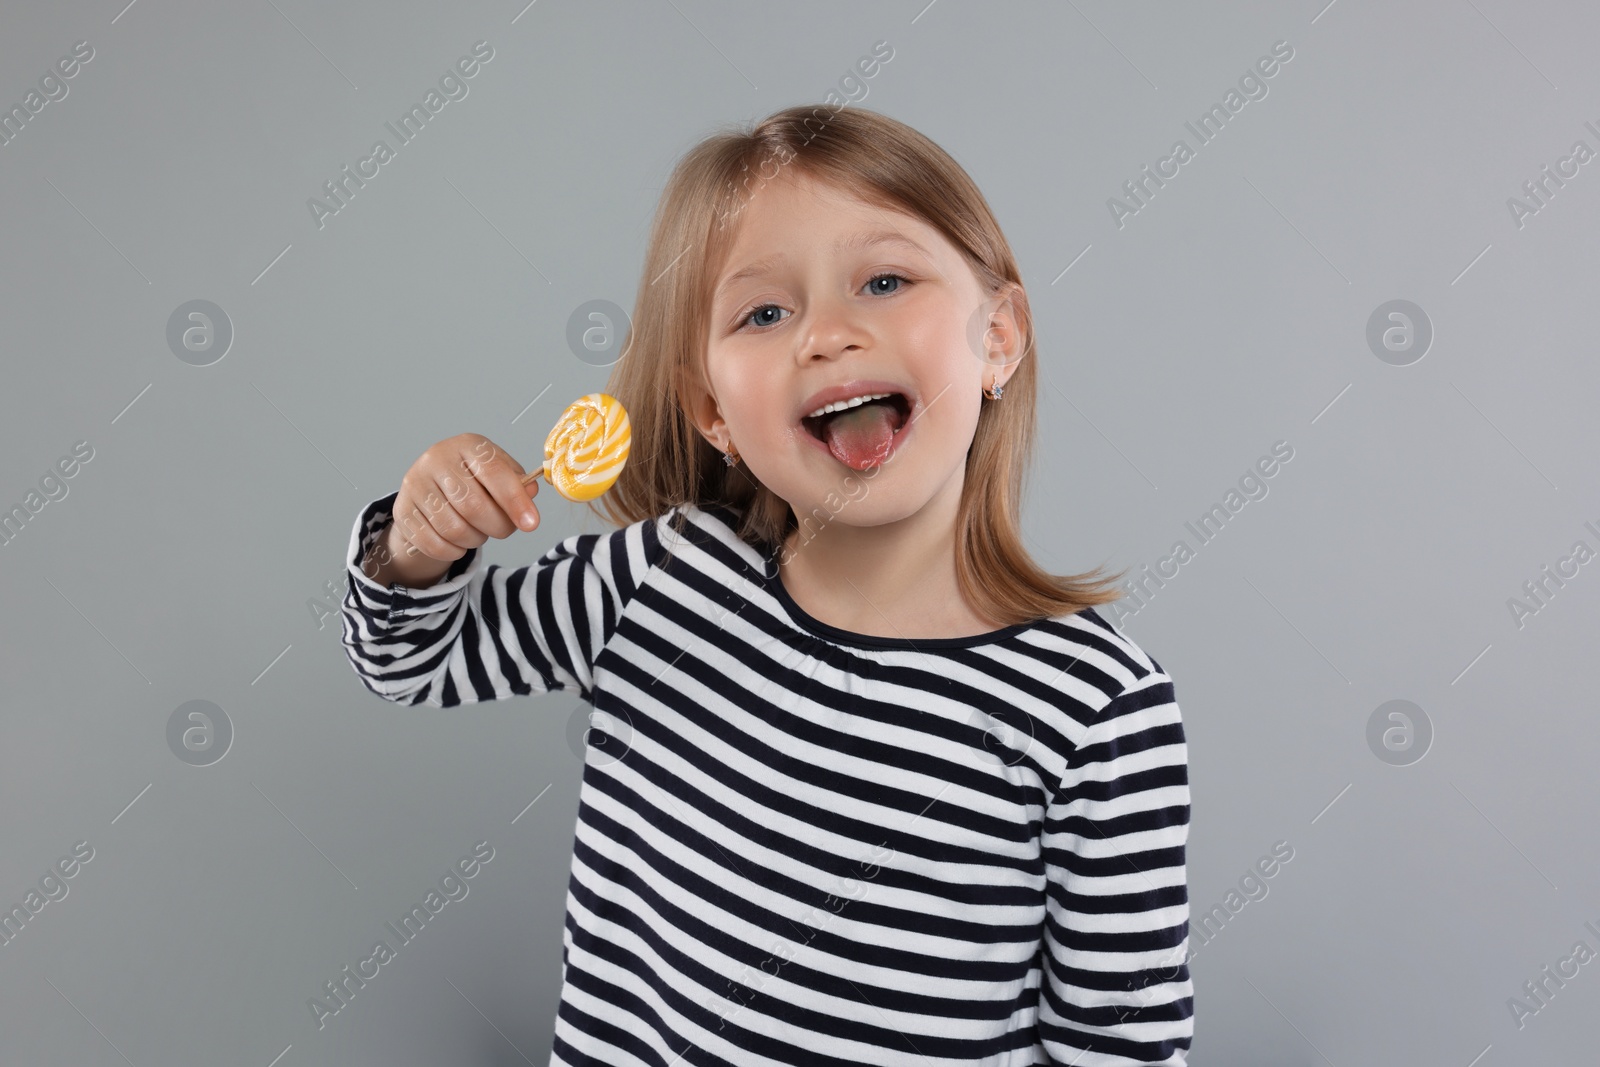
[
  {"x": 758, "y": 310},
  {"x": 885, "y": 276}
]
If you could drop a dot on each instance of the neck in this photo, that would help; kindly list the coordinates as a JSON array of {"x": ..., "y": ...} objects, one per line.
[{"x": 896, "y": 579}]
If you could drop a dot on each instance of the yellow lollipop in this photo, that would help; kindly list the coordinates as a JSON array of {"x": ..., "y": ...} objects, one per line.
[{"x": 586, "y": 448}]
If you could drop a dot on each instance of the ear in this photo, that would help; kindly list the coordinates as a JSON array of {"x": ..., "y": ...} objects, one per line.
[
  {"x": 706, "y": 416},
  {"x": 1002, "y": 337}
]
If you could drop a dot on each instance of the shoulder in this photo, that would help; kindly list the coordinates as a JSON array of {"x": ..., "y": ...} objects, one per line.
[
  {"x": 708, "y": 536},
  {"x": 624, "y": 556},
  {"x": 621, "y": 557},
  {"x": 1115, "y": 703},
  {"x": 1099, "y": 662}
]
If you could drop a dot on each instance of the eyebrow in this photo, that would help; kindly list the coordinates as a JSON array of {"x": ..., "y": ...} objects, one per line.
[{"x": 847, "y": 244}]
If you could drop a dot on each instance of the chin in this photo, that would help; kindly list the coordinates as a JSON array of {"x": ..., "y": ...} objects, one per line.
[{"x": 866, "y": 504}]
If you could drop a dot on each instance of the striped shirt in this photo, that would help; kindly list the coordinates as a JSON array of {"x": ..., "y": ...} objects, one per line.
[{"x": 800, "y": 845}]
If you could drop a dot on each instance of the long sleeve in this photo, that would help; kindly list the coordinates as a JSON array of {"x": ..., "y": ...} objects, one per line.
[
  {"x": 486, "y": 632},
  {"x": 1116, "y": 987}
]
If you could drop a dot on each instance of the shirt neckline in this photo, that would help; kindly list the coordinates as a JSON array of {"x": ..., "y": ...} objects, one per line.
[{"x": 772, "y": 581}]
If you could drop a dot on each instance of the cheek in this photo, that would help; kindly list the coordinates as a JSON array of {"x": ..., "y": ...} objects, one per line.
[
  {"x": 751, "y": 402},
  {"x": 952, "y": 420},
  {"x": 937, "y": 346},
  {"x": 964, "y": 420}
]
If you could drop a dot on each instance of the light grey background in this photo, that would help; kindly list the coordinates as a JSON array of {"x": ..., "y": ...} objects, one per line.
[{"x": 1230, "y": 313}]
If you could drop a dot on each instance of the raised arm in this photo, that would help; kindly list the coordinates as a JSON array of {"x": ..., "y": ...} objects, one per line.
[{"x": 486, "y": 632}]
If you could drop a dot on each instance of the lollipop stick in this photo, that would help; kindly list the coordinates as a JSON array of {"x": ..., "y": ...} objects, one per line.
[{"x": 526, "y": 478}]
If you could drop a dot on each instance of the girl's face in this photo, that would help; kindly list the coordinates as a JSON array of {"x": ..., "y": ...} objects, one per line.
[{"x": 849, "y": 299}]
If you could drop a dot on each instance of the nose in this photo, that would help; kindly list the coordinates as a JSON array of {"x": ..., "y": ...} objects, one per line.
[{"x": 831, "y": 330}]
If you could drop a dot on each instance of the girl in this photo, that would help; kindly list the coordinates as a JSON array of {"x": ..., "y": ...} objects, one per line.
[{"x": 865, "y": 785}]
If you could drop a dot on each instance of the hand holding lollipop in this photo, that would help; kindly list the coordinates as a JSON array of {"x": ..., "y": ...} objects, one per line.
[{"x": 439, "y": 515}]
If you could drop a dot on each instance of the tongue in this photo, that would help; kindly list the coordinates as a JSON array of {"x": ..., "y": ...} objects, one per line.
[{"x": 859, "y": 437}]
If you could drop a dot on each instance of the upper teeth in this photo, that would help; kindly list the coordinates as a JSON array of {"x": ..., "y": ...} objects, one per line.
[{"x": 840, "y": 405}]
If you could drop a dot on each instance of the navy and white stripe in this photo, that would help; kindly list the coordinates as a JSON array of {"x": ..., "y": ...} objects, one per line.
[{"x": 797, "y": 845}]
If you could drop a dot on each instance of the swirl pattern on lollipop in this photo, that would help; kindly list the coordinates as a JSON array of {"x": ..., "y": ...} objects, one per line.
[{"x": 587, "y": 447}]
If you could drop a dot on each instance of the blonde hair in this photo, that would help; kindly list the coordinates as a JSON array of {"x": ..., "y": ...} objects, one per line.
[{"x": 887, "y": 163}]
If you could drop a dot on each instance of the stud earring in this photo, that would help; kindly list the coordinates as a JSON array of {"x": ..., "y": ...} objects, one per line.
[
  {"x": 996, "y": 390},
  {"x": 731, "y": 457}
]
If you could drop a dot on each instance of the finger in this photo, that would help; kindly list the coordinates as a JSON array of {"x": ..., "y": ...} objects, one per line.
[
  {"x": 418, "y": 501},
  {"x": 501, "y": 478},
  {"x": 437, "y": 528},
  {"x": 484, "y": 454},
  {"x": 458, "y": 513},
  {"x": 473, "y": 503},
  {"x": 411, "y": 537}
]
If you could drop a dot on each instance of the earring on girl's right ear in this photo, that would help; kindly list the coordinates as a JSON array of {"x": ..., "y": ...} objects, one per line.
[{"x": 731, "y": 456}]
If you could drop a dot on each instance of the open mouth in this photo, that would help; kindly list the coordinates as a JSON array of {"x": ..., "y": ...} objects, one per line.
[{"x": 899, "y": 411}]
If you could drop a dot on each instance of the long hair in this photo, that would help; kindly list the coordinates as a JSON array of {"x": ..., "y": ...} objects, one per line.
[{"x": 884, "y": 162}]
